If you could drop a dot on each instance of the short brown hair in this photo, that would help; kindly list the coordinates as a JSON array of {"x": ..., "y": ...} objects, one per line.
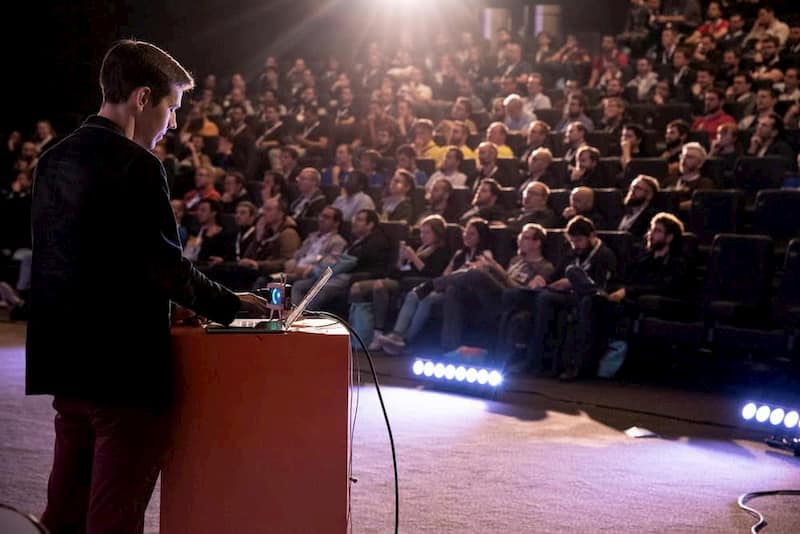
[{"x": 130, "y": 64}]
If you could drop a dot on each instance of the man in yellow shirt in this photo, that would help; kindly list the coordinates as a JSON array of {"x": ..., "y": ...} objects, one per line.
[
  {"x": 424, "y": 144},
  {"x": 496, "y": 133}
]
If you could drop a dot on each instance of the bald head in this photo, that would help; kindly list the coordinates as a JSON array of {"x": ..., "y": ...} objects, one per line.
[{"x": 582, "y": 199}]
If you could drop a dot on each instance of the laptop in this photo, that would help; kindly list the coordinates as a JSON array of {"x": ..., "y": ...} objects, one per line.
[{"x": 272, "y": 326}]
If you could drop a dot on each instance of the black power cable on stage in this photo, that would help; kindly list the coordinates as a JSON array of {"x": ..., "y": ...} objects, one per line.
[
  {"x": 742, "y": 502},
  {"x": 383, "y": 409}
]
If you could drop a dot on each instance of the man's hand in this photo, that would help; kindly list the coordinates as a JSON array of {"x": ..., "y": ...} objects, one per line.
[
  {"x": 252, "y": 303},
  {"x": 560, "y": 284},
  {"x": 247, "y": 262},
  {"x": 617, "y": 295},
  {"x": 569, "y": 212},
  {"x": 537, "y": 282},
  {"x": 215, "y": 260},
  {"x": 577, "y": 174}
]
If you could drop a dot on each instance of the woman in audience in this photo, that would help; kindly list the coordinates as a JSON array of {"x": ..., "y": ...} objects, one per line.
[
  {"x": 413, "y": 267},
  {"x": 396, "y": 204},
  {"x": 420, "y": 301}
]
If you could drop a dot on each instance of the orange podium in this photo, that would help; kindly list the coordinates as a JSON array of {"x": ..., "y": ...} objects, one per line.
[{"x": 260, "y": 437}]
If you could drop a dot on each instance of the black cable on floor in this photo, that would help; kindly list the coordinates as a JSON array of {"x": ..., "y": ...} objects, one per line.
[
  {"x": 383, "y": 409},
  {"x": 742, "y": 502}
]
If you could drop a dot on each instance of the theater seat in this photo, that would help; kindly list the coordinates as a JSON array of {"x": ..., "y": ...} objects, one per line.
[
  {"x": 555, "y": 246},
  {"x": 714, "y": 212},
  {"x": 558, "y": 200},
  {"x": 461, "y": 197},
  {"x": 753, "y": 174},
  {"x": 503, "y": 243},
  {"x": 509, "y": 198},
  {"x": 455, "y": 237},
  {"x": 655, "y": 167},
  {"x": 550, "y": 116},
  {"x": 396, "y": 231},
  {"x": 777, "y": 214},
  {"x": 622, "y": 245},
  {"x": 667, "y": 200},
  {"x": 778, "y": 336},
  {"x": 609, "y": 201},
  {"x": 428, "y": 166},
  {"x": 738, "y": 280}
]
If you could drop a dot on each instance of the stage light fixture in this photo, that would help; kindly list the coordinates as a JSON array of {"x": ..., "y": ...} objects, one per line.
[
  {"x": 776, "y": 417},
  {"x": 782, "y": 421},
  {"x": 472, "y": 375},
  {"x": 748, "y": 412},
  {"x": 791, "y": 419},
  {"x": 449, "y": 372},
  {"x": 762, "y": 414},
  {"x": 461, "y": 373},
  {"x": 438, "y": 370}
]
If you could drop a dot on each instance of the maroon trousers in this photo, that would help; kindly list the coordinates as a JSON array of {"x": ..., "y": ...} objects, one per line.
[{"x": 106, "y": 462}]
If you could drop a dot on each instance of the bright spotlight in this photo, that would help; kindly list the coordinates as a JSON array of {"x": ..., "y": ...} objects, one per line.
[
  {"x": 428, "y": 369},
  {"x": 472, "y": 375},
  {"x": 461, "y": 373},
  {"x": 418, "y": 367},
  {"x": 495, "y": 378},
  {"x": 749, "y": 410},
  {"x": 483, "y": 376},
  {"x": 762, "y": 414},
  {"x": 776, "y": 417},
  {"x": 450, "y": 371},
  {"x": 791, "y": 419},
  {"x": 438, "y": 370}
]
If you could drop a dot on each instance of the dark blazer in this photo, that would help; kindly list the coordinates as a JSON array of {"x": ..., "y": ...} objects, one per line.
[{"x": 101, "y": 286}]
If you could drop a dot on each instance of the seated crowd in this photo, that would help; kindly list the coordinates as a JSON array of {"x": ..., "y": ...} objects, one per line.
[{"x": 542, "y": 185}]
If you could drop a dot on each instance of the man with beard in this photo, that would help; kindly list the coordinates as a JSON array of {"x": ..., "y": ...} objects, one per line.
[
  {"x": 538, "y": 137},
  {"x": 765, "y": 101},
  {"x": 638, "y": 206},
  {"x": 354, "y": 198},
  {"x": 449, "y": 170},
  {"x": 766, "y": 141},
  {"x": 767, "y": 66},
  {"x": 241, "y": 135},
  {"x": 575, "y": 139},
  {"x": 458, "y": 138},
  {"x": 714, "y": 115},
  {"x": 725, "y": 147},
  {"x": 487, "y": 166},
  {"x": 661, "y": 269},
  {"x": 613, "y": 116},
  {"x": 485, "y": 203},
  {"x": 676, "y": 135},
  {"x": 437, "y": 202},
  {"x": 574, "y": 112},
  {"x": 693, "y": 156},
  {"x": 588, "y": 171},
  {"x": 589, "y": 269}
]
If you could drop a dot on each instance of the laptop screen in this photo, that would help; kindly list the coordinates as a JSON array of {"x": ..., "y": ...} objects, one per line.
[{"x": 301, "y": 307}]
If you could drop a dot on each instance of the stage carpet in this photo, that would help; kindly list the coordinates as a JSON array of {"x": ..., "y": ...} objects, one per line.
[{"x": 541, "y": 457}]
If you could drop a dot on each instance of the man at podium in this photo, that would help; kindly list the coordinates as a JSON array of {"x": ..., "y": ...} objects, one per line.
[{"x": 99, "y": 329}]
